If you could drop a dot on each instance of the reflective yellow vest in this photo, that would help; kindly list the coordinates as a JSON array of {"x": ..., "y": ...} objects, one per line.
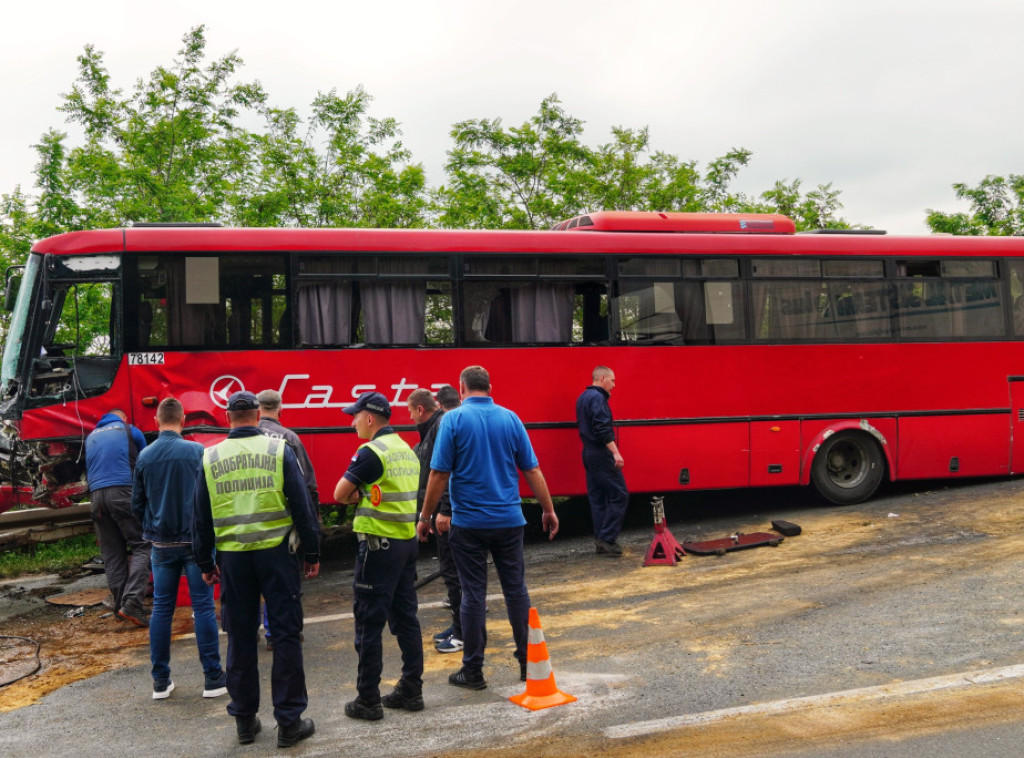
[
  {"x": 245, "y": 477},
  {"x": 388, "y": 505}
]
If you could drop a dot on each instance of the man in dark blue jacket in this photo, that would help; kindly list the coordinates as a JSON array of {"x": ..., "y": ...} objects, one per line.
[
  {"x": 110, "y": 452},
  {"x": 602, "y": 461},
  {"x": 162, "y": 499}
]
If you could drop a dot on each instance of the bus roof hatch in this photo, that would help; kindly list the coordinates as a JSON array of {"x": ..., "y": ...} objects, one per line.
[{"x": 646, "y": 221}]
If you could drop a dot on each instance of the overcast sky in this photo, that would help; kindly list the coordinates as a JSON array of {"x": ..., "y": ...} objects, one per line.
[{"x": 892, "y": 101}]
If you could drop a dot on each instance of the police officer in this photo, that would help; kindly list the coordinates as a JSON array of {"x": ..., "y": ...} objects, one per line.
[
  {"x": 249, "y": 496},
  {"x": 383, "y": 478}
]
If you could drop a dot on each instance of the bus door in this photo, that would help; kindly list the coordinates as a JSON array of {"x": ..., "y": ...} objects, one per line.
[{"x": 1016, "y": 424}]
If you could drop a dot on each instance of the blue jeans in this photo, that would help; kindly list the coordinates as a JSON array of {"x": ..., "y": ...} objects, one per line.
[
  {"x": 470, "y": 548},
  {"x": 168, "y": 564}
]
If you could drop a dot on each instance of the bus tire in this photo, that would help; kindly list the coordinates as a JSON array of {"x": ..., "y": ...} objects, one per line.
[{"x": 847, "y": 468}]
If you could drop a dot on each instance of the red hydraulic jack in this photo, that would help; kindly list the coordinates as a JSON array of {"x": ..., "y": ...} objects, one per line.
[{"x": 664, "y": 550}]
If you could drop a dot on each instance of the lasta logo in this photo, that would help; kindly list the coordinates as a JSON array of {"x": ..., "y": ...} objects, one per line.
[
  {"x": 224, "y": 387},
  {"x": 316, "y": 396}
]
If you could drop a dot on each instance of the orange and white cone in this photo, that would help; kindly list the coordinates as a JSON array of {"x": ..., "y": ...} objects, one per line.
[{"x": 541, "y": 690}]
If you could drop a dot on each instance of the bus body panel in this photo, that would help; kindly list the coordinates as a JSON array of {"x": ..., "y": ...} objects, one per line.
[
  {"x": 774, "y": 453},
  {"x": 932, "y": 447},
  {"x": 1016, "y": 424}
]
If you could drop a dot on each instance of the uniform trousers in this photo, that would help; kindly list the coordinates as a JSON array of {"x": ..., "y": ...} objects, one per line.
[
  {"x": 273, "y": 573},
  {"x": 471, "y": 548},
  {"x": 606, "y": 490},
  {"x": 384, "y": 592}
]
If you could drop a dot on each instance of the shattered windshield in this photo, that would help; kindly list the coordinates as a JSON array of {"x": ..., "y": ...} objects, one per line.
[{"x": 19, "y": 320}]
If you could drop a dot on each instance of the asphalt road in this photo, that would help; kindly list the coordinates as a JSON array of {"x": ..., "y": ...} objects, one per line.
[{"x": 887, "y": 629}]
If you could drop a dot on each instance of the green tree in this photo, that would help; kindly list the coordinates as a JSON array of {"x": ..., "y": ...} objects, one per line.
[
  {"x": 628, "y": 176},
  {"x": 345, "y": 168},
  {"x": 541, "y": 172},
  {"x": 815, "y": 210},
  {"x": 525, "y": 177},
  {"x": 169, "y": 151},
  {"x": 996, "y": 209}
]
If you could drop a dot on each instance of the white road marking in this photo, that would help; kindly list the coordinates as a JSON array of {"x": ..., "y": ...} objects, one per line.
[
  {"x": 343, "y": 616},
  {"x": 896, "y": 689}
]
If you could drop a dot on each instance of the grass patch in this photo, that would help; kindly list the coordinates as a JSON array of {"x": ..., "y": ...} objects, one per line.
[{"x": 48, "y": 557}]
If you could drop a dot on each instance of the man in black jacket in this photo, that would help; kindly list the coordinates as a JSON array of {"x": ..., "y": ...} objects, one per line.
[
  {"x": 606, "y": 486},
  {"x": 426, "y": 414}
]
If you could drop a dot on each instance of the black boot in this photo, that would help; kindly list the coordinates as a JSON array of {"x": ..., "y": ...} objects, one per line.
[
  {"x": 360, "y": 709},
  {"x": 247, "y": 727},
  {"x": 407, "y": 696},
  {"x": 290, "y": 735}
]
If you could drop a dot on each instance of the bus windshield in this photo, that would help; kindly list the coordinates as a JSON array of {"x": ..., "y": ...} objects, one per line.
[{"x": 16, "y": 332}]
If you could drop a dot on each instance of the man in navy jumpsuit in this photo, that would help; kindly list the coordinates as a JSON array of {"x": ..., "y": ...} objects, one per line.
[{"x": 602, "y": 461}]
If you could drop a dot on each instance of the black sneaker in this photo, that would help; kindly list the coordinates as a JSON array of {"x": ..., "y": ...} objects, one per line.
[
  {"x": 247, "y": 727},
  {"x": 522, "y": 671},
  {"x": 359, "y": 709},
  {"x": 471, "y": 681},
  {"x": 405, "y": 696},
  {"x": 216, "y": 686},
  {"x": 607, "y": 548},
  {"x": 290, "y": 735},
  {"x": 136, "y": 614}
]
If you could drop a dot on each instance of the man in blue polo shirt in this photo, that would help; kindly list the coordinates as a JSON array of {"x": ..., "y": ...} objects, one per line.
[{"x": 479, "y": 451}]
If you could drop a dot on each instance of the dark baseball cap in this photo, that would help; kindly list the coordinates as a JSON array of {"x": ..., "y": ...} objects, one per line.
[
  {"x": 370, "y": 401},
  {"x": 243, "y": 401}
]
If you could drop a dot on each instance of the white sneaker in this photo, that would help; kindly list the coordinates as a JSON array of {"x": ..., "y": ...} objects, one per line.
[
  {"x": 448, "y": 645},
  {"x": 164, "y": 693}
]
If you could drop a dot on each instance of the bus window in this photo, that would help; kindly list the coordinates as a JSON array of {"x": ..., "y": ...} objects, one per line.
[
  {"x": 518, "y": 312},
  {"x": 1017, "y": 296},
  {"x": 439, "y": 318},
  {"x": 81, "y": 341},
  {"x": 523, "y": 300},
  {"x": 207, "y": 301},
  {"x": 697, "y": 307},
  {"x": 812, "y": 300},
  {"x": 84, "y": 325},
  {"x": 380, "y": 301},
  {"x": 949, "y": 299},
  {"x": 392, "y": 312}
]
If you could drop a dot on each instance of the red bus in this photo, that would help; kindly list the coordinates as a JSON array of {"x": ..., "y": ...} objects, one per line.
[{"x": 746, "y": 354}]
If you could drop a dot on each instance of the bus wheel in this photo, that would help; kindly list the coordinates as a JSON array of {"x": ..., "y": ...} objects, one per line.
[{"x": 847, "y": 468}]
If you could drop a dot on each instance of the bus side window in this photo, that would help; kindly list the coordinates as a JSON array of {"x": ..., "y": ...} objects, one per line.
[
  {"x": 393, "y": 312},
  {"x": 1017, "y": 296}
]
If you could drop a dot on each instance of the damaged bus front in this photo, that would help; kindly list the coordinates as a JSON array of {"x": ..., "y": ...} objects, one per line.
[{"x": 60, "y": 367}]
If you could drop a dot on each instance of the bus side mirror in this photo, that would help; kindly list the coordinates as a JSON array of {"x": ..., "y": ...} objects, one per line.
[{"x": 11, "y": 292}]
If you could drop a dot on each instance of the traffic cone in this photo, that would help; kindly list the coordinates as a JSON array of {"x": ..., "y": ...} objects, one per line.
[{"x": 541, "y": 690}]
